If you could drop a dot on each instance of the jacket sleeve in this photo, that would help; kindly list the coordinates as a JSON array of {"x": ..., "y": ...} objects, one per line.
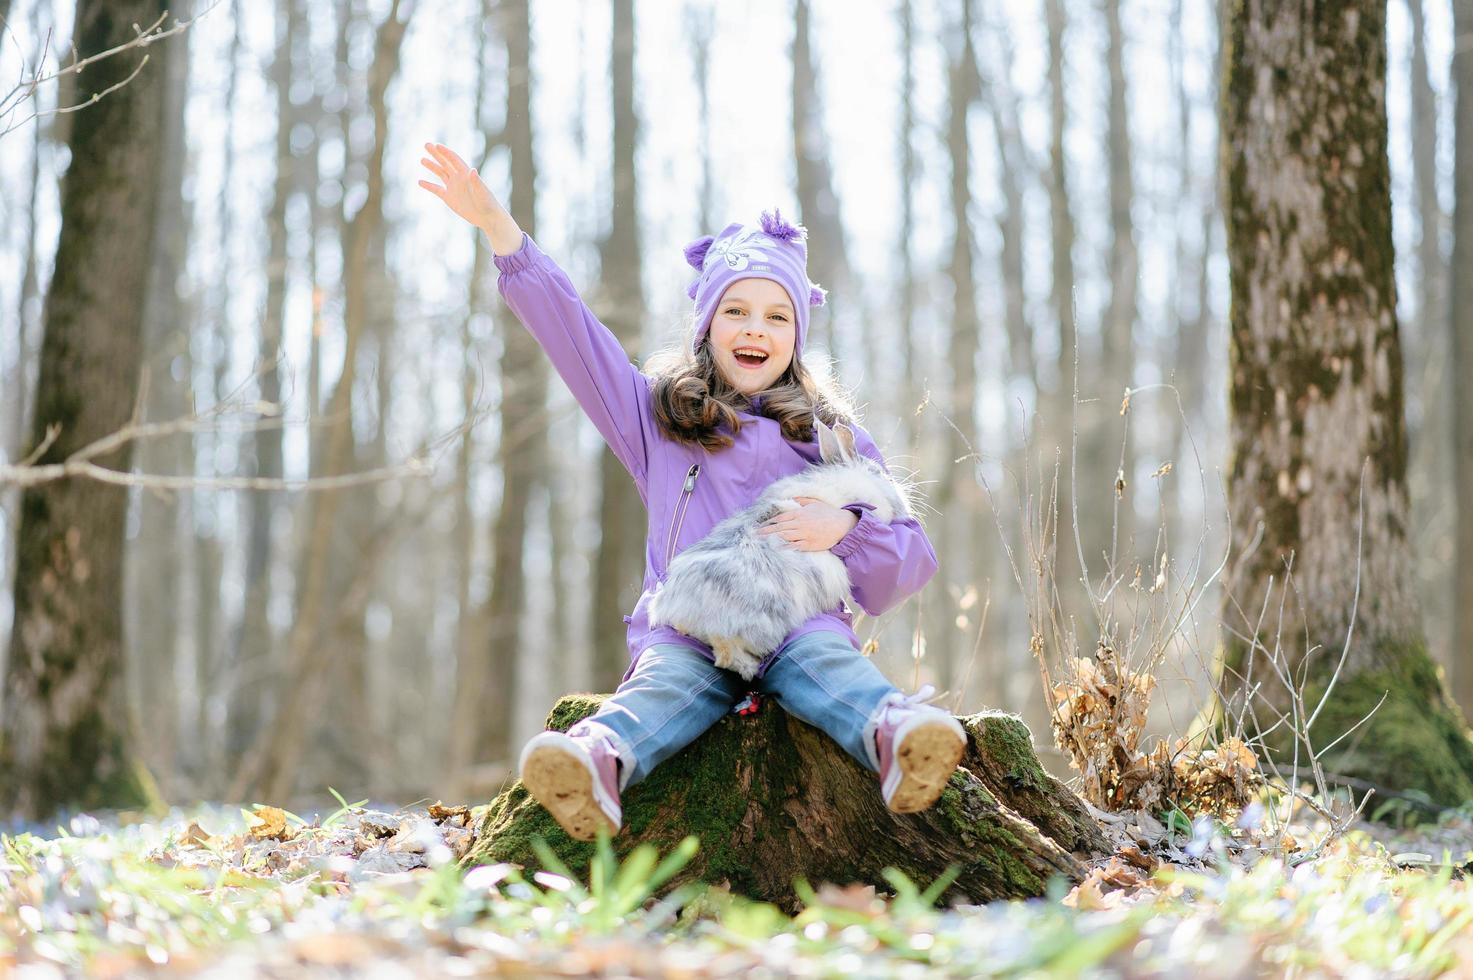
[
  {"x": 887, "y": 563},
  {"x": 585, "y": 353}
]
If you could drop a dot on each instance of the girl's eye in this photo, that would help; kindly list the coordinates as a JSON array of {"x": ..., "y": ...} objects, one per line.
[{"x": 781, "y": 317}]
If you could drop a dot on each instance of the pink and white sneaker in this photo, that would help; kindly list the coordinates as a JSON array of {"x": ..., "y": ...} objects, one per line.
[
  {"x": 576, "y": 777},
  {"x": 916, "y": 746}
]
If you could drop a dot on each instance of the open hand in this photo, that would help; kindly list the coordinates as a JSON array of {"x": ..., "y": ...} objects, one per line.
[
  {"x": 815, "y": 526},
  {"x": 463, "y": 192}
]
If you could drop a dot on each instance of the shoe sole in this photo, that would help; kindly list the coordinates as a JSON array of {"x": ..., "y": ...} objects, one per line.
[
  {"x": 564, "y": 786},
  {"x": 927, "y": 756}
]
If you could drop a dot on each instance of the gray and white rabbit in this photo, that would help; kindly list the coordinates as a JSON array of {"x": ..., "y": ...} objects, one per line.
[{"x": 742, "y": 592}]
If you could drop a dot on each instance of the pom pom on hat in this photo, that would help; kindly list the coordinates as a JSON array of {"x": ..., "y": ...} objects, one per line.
[
  {"x": 816, "y": 295},
  {"x": 695, "y": 253},
  {"x": 784, "y": 231}
]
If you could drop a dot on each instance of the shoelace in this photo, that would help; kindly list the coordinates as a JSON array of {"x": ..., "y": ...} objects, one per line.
[{"x": 925, "y": 695}]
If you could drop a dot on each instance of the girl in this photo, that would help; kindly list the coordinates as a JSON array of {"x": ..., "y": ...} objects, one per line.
[{"x": 702, "y": 435}]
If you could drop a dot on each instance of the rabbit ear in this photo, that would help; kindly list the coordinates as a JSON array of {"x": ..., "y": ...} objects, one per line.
[
  {"x": 830, "y": 450},
  {"x": 845, "y": 436}
]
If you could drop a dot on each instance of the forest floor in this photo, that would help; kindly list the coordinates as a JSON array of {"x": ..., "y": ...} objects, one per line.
[{"x": 265, "y": 893}]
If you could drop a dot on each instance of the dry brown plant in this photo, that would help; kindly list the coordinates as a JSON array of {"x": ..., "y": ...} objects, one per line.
[{"x": 1144, "y": 613}]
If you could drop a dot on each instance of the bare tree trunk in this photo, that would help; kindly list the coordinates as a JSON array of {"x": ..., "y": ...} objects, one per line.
[
  {"x": 906, "y": 346},
  {"x": 701, "y": 25},
  {"x": 62, "y": 738},
  {"x": 1318, "y": 480},
  {"x": 1059, "y": 410},
  {"x": 152, "y": 622},
  {"x": 1429, "y": 401},
  {"x": 617, "y": 571},
  {"x": 27, "y": 341},
  {"x": 1105, "y": 518},
  {"x": 1461, "y": 354},
  {"x": 1008, "y": 673},
  {"x": 272, "y": 764},
  {"x": 957, "y": 499},
  {"x": 489, "y": 671},
  {"x": 828, "y": 257},
  {"x": 471, "y": 653},
  {"x": 251, "y": 640}
]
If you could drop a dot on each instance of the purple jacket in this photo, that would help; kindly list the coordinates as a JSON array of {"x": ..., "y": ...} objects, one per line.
[{"x": 686, "y": 489}]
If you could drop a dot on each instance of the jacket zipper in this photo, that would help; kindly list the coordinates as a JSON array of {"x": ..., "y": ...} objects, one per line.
[{"x": 681, "y": 506}]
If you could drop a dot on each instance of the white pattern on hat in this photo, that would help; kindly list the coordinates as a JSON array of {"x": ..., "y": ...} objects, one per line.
[{"x": 739, "y": 250}]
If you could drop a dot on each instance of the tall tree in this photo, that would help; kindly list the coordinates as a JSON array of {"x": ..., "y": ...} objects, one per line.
[
  {"x": 906, "y": 346},
  {"x": 955, "y": 499},
  {"x": 1429, "y": 400},
  {"x": 490, "y": 669},
  {"x": 1461, "y": 334},
  {"x": 1318, "y": 483},
  {"x": 153, "y": 587},
  {"x": 616, "y": 570},
  {"x": 273, "y": 762},
  {"x": 1104, "y": 521},
  {"x": 262, "y": 450},
  {"x": 828, "y": 256},
  {"x": 700, "y": 25},
  {"x": 63, "y": 737},
  {"x": 27, "y": 334},
  {"x": 1058, "y": 409}
]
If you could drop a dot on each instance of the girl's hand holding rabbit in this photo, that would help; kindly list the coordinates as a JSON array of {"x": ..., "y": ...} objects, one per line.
[
  {"x": 815, "y": 526},
  {"x": 467, "y": 195}
]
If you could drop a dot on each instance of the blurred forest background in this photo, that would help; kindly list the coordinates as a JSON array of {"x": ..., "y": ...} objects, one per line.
[{"x": 987, "y": 187}]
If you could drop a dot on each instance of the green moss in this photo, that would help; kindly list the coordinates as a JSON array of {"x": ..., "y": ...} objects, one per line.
[
  {"x": 693, "y": 793},
  {"x": 1416, "y": 740},
  {"x": 1007, "y": 741},
  {"x": 572, "y": 709},
  {"x": 995, "y": 847}
]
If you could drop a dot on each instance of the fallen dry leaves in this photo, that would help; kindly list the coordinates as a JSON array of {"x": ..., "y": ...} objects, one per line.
[{"x": 1099, "y": 721}]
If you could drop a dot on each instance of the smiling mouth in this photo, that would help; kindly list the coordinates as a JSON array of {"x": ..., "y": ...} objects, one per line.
[{"x": 750, "y": 358}]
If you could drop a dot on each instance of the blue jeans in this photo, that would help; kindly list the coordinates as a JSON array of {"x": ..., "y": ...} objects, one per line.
[{"x": 675, "y": 694}]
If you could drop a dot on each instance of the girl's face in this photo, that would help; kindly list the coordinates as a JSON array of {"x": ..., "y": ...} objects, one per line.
[{"x": 752, "y": 334}]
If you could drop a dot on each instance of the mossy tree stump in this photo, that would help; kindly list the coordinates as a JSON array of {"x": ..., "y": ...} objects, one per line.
[{"x": 773, "y": 799}]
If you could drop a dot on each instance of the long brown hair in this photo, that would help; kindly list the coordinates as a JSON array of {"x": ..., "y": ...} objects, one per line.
[{"x": 692, "y": 399}]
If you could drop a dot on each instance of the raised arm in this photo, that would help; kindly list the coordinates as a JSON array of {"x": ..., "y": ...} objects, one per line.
[
  {"x": 586, "y": 354},
  {"x": 887, "y": 563}
]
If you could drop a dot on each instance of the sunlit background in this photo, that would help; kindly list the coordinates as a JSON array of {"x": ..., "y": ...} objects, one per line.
[{"x": 406, "y": 601}]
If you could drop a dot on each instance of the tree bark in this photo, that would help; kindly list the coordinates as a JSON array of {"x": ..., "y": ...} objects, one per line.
[
  {"x": 828, "y": 261},
  {"x": 1317, "y": 401},
  {"x": 27, "y": 342},
  {"x": 1104, "y": 507},
  {"x": 772, "y": 799},
  {"x": 153, "y": 621},
  {"x": 957, "y": 497},
  {"x": 272, "y": 764},
  {"x": 1461, "y": 354},
  {"x": 251, "y": 640},
  {"x": 490, "y": 669},
  {"x": 1058, "y": 421},
  {"x": 62, "y": 739},
  {"x": 618, "y": 563}
]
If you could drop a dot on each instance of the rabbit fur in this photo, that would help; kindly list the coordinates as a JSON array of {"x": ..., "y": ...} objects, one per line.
[{"x": 742, "y": 592}]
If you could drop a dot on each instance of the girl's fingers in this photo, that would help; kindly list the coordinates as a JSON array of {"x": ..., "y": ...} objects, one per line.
[
  {"x": 447, "y": 157},
  {"x": 438, "y": 152},
  {"x": 454, "y": 158},
  {"x": 434, "y": 189},
  {"x": 435, "y": 168}
]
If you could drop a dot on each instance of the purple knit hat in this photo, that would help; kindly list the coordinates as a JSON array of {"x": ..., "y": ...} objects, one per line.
[{"x": 774, "y": 250}]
